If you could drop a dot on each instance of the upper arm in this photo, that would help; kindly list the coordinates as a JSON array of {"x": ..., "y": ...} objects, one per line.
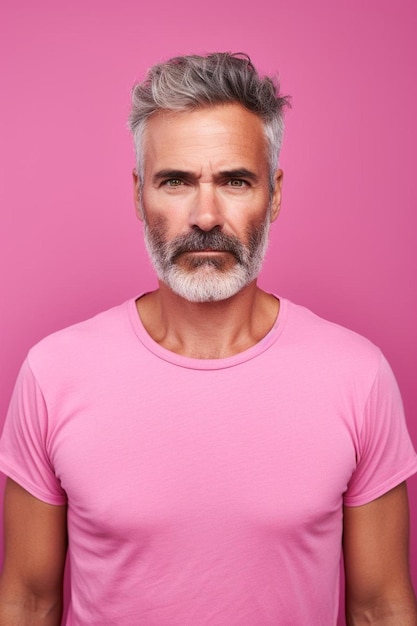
[
  {"x": 375, "y": 546},
  {"x": 35, "y": 544}
]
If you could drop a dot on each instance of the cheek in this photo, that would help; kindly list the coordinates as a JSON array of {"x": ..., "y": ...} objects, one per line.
[
  {"x": 256, "y": 229},
  {"x": 164, "y": 213},
  {"x": 161, "y": 229},
  {"x": 245, "y": 212},
  {"x": 156, "y": 225},
  {"x": 255, "y": 222}
]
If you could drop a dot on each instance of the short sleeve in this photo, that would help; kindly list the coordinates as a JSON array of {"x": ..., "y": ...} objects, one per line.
[
  {"x": 386, "y": 456},
  {"x": 24, "y": 442}
]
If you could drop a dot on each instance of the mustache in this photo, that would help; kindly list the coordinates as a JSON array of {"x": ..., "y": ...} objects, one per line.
[{"x": 200, "y": 240}]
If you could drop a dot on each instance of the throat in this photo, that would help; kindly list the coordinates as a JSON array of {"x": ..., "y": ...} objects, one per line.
[
  {"x": 215, "y": 330},
  {"x": 208, "y": 350}
]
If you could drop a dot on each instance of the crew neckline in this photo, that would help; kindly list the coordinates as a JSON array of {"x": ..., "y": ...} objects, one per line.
[{"x": 206, "y": 364}]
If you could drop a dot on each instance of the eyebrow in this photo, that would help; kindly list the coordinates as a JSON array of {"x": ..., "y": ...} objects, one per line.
[
  {"x": 171, "y": 174},
  {"x": 174, "y": 173},
  {"x": 238, "y": 173}
]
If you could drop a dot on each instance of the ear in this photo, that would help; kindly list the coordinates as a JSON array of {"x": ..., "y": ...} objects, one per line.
[
  {"x": 136, "y": 195},
  {"x": 276, "y": 195}
]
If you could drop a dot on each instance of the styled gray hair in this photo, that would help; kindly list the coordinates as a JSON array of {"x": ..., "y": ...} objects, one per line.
[{"x": 190, "y": 82}]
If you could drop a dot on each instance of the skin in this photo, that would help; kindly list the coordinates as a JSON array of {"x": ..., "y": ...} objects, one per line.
[
  {"x": 207, "y": 168},
  {"x": 35, "y": 539},
  {"x": 375, "y": 544},
  {"x": 205, "y": 144}
]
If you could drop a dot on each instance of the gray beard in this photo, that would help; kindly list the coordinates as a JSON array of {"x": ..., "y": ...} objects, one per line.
[{"x": 206, "y": 278}]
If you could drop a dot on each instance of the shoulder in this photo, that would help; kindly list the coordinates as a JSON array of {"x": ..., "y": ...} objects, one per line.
[
  {"x": 308, "y": 324},
  {"x": 328, "y": 343},
  {"x": 86, "y": 342}
]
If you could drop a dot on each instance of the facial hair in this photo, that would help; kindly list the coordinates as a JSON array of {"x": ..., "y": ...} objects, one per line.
[{"x": 211, "y": 277}]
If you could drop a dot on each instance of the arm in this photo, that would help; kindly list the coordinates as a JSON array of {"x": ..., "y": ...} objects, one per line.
[
  {"x": 35, "y": 551},
  {"x": 375, "y": 545}
]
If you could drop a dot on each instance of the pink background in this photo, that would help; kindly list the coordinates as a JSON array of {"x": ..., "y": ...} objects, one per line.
[{"x": 345, "y": 243}]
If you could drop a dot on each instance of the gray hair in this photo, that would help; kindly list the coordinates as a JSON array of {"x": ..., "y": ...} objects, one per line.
[{"x": 191, "y": 82}]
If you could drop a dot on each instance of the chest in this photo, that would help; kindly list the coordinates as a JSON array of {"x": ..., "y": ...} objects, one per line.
[{"x": 137, "y": 454}]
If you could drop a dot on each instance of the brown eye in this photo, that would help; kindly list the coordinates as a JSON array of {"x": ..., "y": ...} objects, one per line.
[
  {"x": 237, "y": 182},
  {"x": 173, "y": 182}
]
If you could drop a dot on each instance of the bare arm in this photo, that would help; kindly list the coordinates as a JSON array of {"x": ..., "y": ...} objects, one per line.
[
  {"x": 375, "y": 543},
  {"x": 35, "y": 550}
]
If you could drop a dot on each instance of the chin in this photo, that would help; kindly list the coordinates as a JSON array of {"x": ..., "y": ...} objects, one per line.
[{"x": 195, "y": 287}]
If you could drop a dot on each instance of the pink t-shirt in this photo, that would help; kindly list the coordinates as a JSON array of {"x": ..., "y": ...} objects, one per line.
[{"x": 205, "y": 492}]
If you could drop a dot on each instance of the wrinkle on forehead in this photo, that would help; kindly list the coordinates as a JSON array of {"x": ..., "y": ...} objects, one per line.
[{"x": 206, "y": 140}]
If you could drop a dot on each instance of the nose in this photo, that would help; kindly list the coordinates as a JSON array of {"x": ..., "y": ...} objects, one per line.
[{"x": 206, "y": 211}]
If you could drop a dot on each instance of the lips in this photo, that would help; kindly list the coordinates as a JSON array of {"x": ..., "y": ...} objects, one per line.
[
  {"x": 207, "y": 251},
  {"x": 208, "y": 243},
  {"x": 202, "y": 253}
]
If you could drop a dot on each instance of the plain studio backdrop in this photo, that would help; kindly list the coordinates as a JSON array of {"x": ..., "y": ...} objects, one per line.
[{"x": 345, "y": 243}]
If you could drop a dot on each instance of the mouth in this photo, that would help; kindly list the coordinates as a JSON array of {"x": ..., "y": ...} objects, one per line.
[
  {"x": 208, "y": 251},
  {"x": 205, "y": 259},
  {"x": 202, "y": 252}
]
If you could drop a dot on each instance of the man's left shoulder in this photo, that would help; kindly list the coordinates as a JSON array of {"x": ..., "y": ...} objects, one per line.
[{"x": 331, "y": 340}]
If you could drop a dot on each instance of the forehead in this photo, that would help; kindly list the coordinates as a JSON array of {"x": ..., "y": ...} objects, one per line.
[{"x": 221, "y": 135}]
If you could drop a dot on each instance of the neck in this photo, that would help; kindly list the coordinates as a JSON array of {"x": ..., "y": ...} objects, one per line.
[{"x": 208, "y": 330}]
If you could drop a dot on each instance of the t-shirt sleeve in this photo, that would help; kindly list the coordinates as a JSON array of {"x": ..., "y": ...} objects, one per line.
[
  {"x": 385, "y": 455},
  {"x": 24, "y": 443}
]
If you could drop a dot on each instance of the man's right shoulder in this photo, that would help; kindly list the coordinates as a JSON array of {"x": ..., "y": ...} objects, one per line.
[{"x": 90, "y": 338}]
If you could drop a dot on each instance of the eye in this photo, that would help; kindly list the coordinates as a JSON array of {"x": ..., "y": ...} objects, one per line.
[
  {"x": 173, "y": 182},
  {"x": 237, "y": 182}
]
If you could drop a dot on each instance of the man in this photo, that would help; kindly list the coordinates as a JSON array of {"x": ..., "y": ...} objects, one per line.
[{"x": 206, "y": 447}]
